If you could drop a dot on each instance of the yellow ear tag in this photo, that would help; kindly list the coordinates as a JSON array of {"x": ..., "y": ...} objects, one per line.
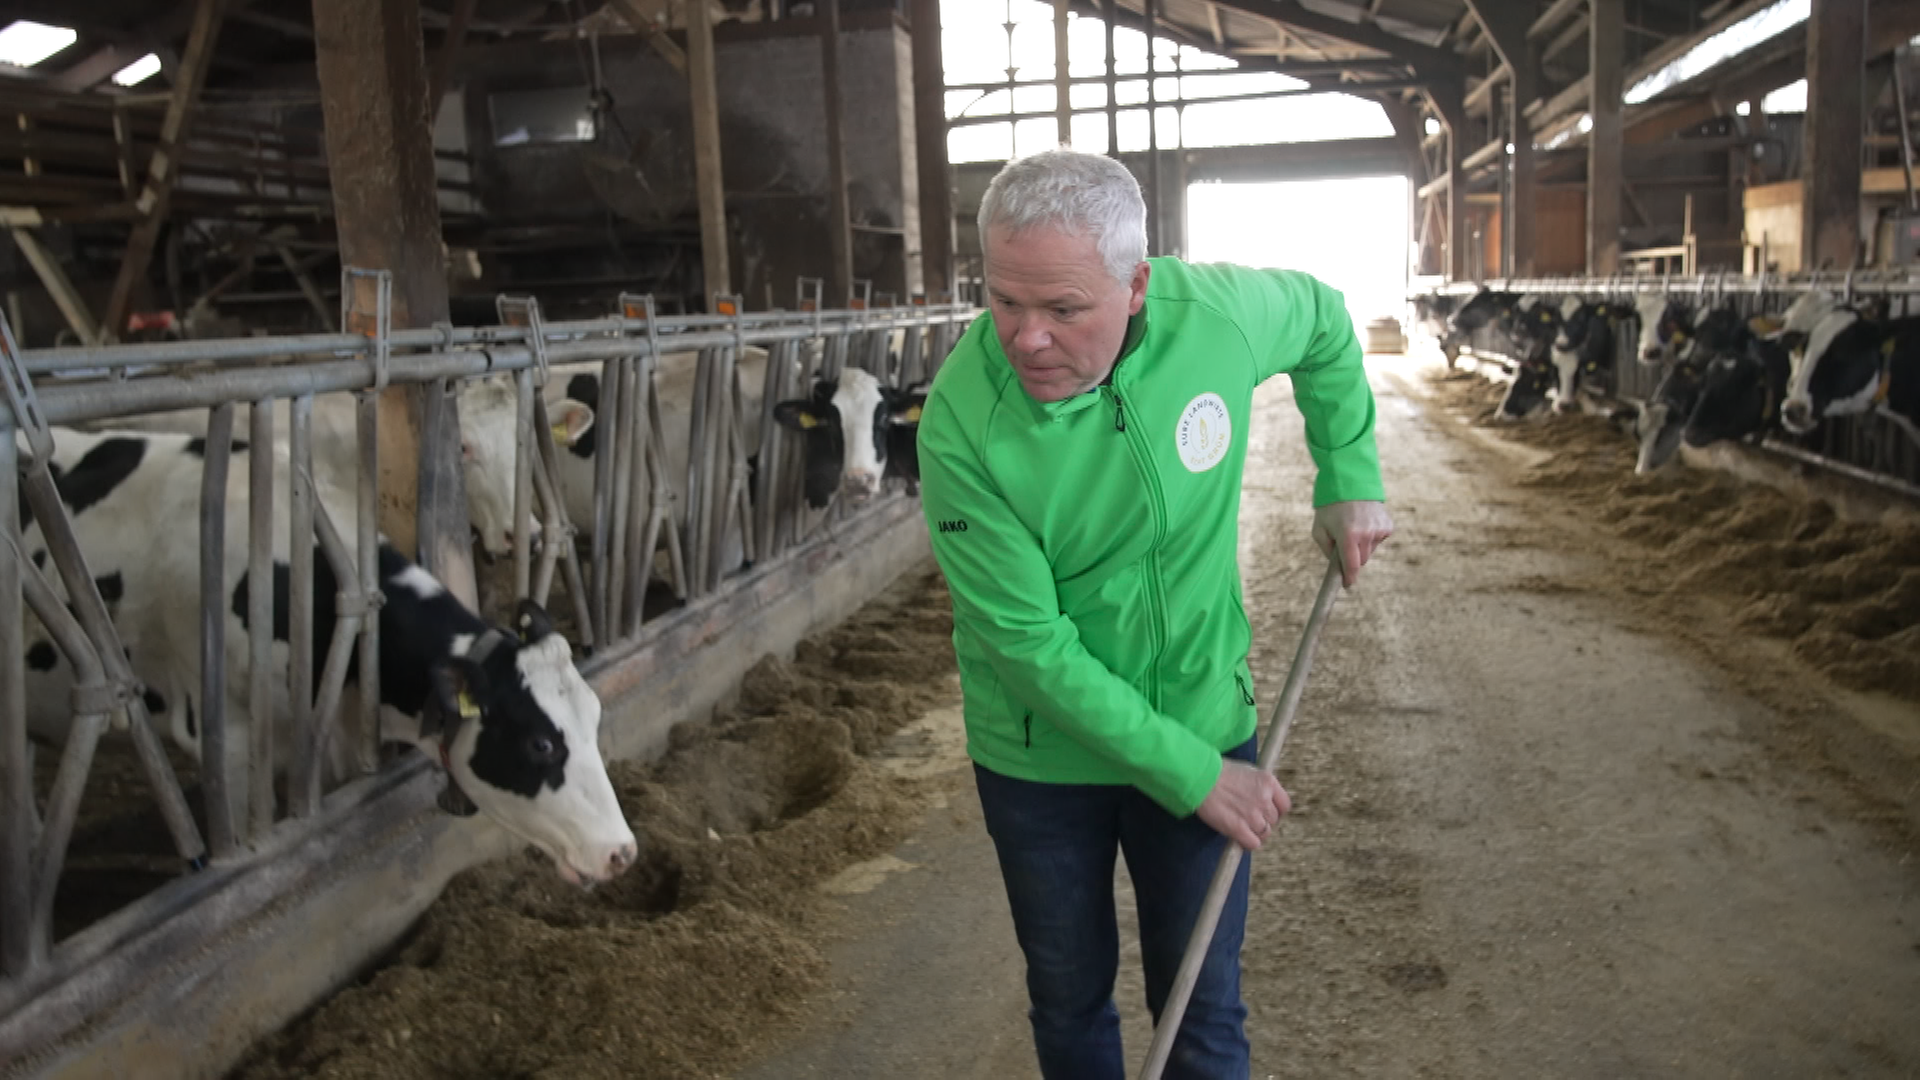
[
  {"x": 911, "y": 416},
  {"x": 468, "y": 710},
  {"x": 807, "y": 421},
  {"x": 560, "y": 434}
]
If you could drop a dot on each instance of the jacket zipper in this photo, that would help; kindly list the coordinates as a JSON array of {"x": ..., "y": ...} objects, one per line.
[
  {"x": 1028, "y": 722},
  {"x": 1156, "y": 607},
  {"x": 1244, "y": 694}
]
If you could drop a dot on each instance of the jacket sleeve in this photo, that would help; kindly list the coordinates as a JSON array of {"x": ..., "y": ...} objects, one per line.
[
  {"x": 1004, "y": 600},
  {"x": 1298, "y": 326}
]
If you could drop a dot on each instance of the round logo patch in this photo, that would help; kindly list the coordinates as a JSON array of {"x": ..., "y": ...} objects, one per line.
[{"x": 1204, "y": 433}]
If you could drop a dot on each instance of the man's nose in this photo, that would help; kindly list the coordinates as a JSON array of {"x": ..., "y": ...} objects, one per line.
[{"x": 1031, "y": 335}]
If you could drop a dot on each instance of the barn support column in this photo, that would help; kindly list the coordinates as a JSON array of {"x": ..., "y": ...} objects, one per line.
[
  {"x": 1448, "y": 100},
  {"x": 706, "y": 149},
  {"x": 1113, "y": 109},
  {"x": 839, "y": 215},
  {"x": 1508, "y": 32},
  {"x": 1156, "y": 244},
  {"x": 1063, "y": 101},
  {"x": 930, "y": 135},
  {"x": 163, "y": 170},
  {"x": 1607, "y": 36},
  {"x": 373, "y": 90},
  {"x": 1830, "y": 215}
]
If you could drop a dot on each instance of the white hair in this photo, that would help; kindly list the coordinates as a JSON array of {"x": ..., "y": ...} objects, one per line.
[{"x": 1078, "y": 193}]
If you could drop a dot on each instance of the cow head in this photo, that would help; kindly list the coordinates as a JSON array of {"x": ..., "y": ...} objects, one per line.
[
  {"x": 518, "y": 731},
  {"x": 857, "y": 431},
  {"x": 1837, "y": 371},
  {"x": 1484, "y": 307},
  {"x": 1740, "y": 394},
  {"x": 1664, "y": 328},
  {"x": 488, "y": 412}
]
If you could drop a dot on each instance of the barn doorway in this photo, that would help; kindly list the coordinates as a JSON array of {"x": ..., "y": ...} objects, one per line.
[{"x": 1350, "y": 233}]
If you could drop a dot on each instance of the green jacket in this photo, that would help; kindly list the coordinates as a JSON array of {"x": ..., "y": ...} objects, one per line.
[{"x": 1090, "y": 544}]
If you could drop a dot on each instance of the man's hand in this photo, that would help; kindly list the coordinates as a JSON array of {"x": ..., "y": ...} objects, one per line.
[
  {"x": 1351, "y": 531},
  {"x": 1244, "y": 804}
]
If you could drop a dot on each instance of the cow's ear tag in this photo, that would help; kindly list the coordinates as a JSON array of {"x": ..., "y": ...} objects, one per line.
[
  {"x": 468, "y": 710},
  {"x": 911, "y": 416},
  {"x": 560, "y": 434},
  {"x": 807, "y": 422}
]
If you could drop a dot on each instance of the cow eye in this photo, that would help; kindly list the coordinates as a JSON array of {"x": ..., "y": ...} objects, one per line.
[{"x": 542, "y": 749}]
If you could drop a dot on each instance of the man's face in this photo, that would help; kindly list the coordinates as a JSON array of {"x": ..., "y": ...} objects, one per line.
[{"x": 1060, "y": 316}]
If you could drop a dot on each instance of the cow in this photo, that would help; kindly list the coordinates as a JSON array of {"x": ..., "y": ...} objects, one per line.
[
  {"x": 1850, "y": 365},
  {"x": 503, "y": 710},
  {"x": 1484, "y": 307},
  {"x": 1741, "y": 393},
  {"x": 1665, "y": 325},
  {"x": 1534, "y": 326},
  {"x": 1432, "y": 313},
  {"x": 856, "y": 432},
  {"x": 1583, "y": 349}
]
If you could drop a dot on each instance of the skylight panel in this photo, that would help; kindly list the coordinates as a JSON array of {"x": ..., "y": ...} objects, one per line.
[{"x": 25, "y": 43}]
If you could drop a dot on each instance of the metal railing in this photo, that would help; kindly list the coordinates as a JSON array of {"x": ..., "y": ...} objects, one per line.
[
  {"x": 636, "y": 511},
  {"x": 1870, "y": 447}
]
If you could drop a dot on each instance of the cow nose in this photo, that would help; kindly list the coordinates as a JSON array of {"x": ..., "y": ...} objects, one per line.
[{"x": 621, "y": 858}]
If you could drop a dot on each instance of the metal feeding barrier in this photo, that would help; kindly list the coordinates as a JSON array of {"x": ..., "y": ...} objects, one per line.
[
  {"x": 1871, "y": 448},
  {"x": 326, "y": 387}
]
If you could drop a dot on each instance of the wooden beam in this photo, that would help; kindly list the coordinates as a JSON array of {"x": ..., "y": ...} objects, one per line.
[
  {"x": 839, "y": 216},
  {"x": 1557, "y": 12},
  {"x": 373, "y": 90},
  {"x": 1482, "y": 91},
  {"x": 1605, "y": 144},
  {"x": 1213, "y": 24},
  {"x": 1516, "y": 228},
  {"x": 1063, "y": 102},
  {"x": 163, "y": 168},
  {"x": 930, "y": 143},
  {"x": 1830, "y": 215},
  {"x": 656, "y": 35},
  {"x": 449, "y": 55},
  {"x": 706, "y": 148},
  {"x": 59, "y": 286},
  {"x": 1426, "y": 59}
]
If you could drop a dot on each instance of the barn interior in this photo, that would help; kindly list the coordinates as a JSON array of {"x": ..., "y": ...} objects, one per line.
[{"x": 220, "y": 208}]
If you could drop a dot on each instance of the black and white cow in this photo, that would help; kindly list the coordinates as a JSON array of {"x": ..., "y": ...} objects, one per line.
[
  {"x": 1432, "y": 313},
  {"x": 504, "y": 711},
  {"x": 1850, "y": 365},
  {"x": 1741, "y": 393},
  {"x": 858, "y": 432},
  {"x": 1486, "y": 307},
  {"x": 1534, "y": 323},
  {"x": 1583, "y": 349}
]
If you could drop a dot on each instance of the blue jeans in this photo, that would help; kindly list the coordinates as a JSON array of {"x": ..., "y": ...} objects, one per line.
[{"x": 1056, "y": 844}]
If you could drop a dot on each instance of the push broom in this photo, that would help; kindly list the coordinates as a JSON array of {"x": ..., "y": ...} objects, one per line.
[{"x": 1223, "y": 874}]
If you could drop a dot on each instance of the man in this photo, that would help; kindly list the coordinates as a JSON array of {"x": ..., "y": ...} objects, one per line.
[{"x": 1080, "y": 455}]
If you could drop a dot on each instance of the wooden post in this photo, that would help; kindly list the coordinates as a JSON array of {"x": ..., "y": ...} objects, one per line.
[
  {"x": 442, "y": 79},
  {"x": 1449, "y": 100},
  {"x": 1519, "y": 255},
  {"x": 1607, "y": 45},
  {"x": 1113, "y": 109},
  {"x": 706, "y": 149},
  {"x": 1063, "y": 102},
  {"x": 930, "y": 135},
  {"x": 163, "y": 169},
  {"x": 839, "y": 216},
  {"x": 1155, "y": 244},
  {"x": 373, "y": 90},
  {"x": 1830, "y": 208}
]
